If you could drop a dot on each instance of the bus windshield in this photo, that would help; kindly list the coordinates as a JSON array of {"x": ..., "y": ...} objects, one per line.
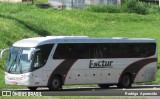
[{"x": 18, "y": 60}]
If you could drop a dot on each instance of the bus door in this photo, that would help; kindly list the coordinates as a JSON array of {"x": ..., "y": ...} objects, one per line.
[{"x": 37, "y": 69}]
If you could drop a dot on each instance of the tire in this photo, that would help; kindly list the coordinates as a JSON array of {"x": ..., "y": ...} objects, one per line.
[
  {"x": 32, "y": 88},
  {"x": 126, "y": 81},
  {"x": 55, "y": 84},
  {"x": 103, "y": 86}
]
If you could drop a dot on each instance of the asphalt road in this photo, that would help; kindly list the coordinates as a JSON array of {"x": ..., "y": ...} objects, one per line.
[{"x": 141, "y": 90}]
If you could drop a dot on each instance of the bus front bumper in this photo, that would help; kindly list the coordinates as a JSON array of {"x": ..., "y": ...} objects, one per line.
[{"x": 18, "y": 79}]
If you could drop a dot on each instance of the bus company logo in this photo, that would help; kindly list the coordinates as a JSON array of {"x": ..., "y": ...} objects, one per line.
[
  {"x": 6, "y": 93},
  {"x": 100, "y": 64}
]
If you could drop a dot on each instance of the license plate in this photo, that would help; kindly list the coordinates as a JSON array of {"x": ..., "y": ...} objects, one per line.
[{"x": 13, "y": 83}]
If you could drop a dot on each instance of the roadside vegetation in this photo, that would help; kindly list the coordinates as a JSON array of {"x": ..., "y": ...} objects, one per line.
[
  {"x": 129, "y": 6},
  {"x": 24, "y": 20}
]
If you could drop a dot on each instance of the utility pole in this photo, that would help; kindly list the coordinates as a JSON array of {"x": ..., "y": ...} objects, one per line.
[
  {"x": 32, "y": 1},
  {"x": 62, "y": 4},
  {"x": 72, "y": 4}
]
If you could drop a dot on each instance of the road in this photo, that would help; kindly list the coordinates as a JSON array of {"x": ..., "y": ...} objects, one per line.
[{"x": 141, "y": 90}]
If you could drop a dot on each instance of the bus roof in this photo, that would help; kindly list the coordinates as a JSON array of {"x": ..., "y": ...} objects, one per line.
[{"x": 37, "y": 41}]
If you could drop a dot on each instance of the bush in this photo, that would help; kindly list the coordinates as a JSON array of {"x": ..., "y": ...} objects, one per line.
[
  {"x": 154, "y": 9},
  {"x": 129, "y": 6},
  {"x": 133, "y": 6},
  {"x": 104, "y": 8}
]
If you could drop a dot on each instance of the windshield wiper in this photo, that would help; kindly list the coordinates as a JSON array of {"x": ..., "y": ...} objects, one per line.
[
  {"x": 15, "y": 63},
  {"x": 12, "y": 64},
  {"x": 20, "y": 67},
  {"x": 18, "y": 63}
]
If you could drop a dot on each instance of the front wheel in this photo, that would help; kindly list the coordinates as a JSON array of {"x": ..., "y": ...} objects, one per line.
[
  {"x": 55, "y": 83},
  {"x": 32, "y": 88},
  {"x": 126, "y": 81}
]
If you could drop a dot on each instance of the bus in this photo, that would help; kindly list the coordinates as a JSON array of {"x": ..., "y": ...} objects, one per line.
[{"x": 54, "y": 61}]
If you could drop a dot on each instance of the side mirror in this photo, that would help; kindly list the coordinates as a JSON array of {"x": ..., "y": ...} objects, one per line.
[
  {"x": 32, "y": 52},
  {"x": 3, "y": 51}
]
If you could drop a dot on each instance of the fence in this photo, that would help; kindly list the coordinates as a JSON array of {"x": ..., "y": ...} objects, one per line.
[{"x": 80, "y": 4}]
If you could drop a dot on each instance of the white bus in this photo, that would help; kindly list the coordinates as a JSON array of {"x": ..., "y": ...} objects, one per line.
[{"x": 54, "y": 61}]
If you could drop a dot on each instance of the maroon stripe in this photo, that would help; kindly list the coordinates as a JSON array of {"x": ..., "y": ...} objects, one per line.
[
  {"x": 62, "y": 69},
  {"x": 69, "y": 67},
  {"x": 135, "y": 67}
]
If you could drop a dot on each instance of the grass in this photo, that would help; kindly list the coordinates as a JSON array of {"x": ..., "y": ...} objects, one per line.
[{"x": 20, "y": 21}]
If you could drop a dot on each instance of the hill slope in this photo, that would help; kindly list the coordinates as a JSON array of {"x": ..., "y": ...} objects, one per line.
[{"x": 20, "y": 21}]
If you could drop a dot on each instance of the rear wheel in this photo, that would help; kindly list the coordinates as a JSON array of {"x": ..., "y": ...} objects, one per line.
[
  {"x": 32, "y": 88},
  {"x": 103, "y": 86},
  {"x": 55, "y": 83},
  {"x": 126, "y": 81}
]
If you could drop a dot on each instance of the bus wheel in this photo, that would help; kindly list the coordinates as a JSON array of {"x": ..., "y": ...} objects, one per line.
[
  {"x": 126, "y": 81},
  {"x": 103, "y": 86},
  {"x": 55, "y": 83},
  {"x": 32, "y": 88}
]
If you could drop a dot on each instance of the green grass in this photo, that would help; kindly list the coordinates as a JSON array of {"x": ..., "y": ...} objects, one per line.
[{"x": 20, "y": 21}]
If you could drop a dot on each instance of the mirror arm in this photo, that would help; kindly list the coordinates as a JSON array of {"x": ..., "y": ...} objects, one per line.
[{"x": 3, "y": 51}]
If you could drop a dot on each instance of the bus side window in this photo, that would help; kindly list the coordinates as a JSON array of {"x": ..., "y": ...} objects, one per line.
[{"x": 38, "y": 60}]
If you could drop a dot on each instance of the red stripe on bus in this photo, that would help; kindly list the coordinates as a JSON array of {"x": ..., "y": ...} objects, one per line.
[
  {"x": 62, "y": 69},
  {"x": 135, "y": 67},
  {"x": 69, "y": 69}
]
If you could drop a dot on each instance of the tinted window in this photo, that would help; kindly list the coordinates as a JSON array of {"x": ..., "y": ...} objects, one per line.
[
  {"x": 41, "y": 56},
  {"x": 71, "y": 51},
  {"x": 104, "y": 50}
]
